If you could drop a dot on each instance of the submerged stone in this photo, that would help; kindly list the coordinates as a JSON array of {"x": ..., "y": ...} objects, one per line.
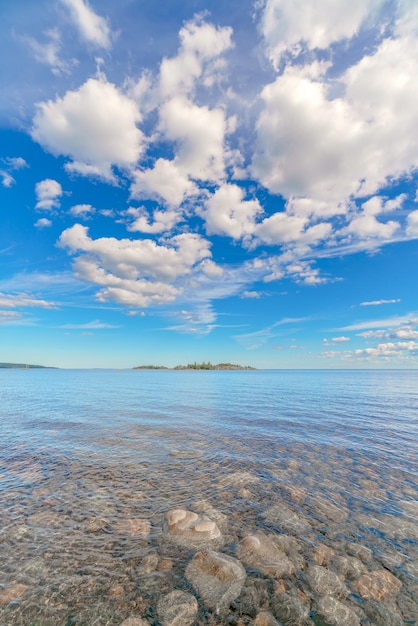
[
  {"x": 134, "y": 621},
  {"x": 326, "y": 583},
  {"x": 336, "y": 613},
  {"x": 378, "y": 585},
  {"x": 217, "y": 578},
  {"x": 284, "y": 517},
  {"x": 191, "y": 529},
  {"x": 133, "y": 527},
  {"x": 260, "y": 552},
  {"x": 265, "y": 618},
  {"x": 12, "y": 593},
  {"x": 289, "y": 610},
  {"x": 177, "y": 608}
]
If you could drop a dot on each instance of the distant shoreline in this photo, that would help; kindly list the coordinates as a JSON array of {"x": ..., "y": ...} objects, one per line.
[
  {"x": 24, "y": 366},
  {"x": 197, "y": 366}
]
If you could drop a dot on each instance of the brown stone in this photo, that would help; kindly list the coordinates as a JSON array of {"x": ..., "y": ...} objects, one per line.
[
  {"x": 11, "y": 593},
  {"x": 322, "y": 554},
  {"x": 133, "y": 527},
  {"x": 116, "y": 590},
  {"x": 265, "y": 618},
  {"x": 261, "y": 552},
  {"x": 189, "y": 528},
  {"x": 378, "y": 585}
]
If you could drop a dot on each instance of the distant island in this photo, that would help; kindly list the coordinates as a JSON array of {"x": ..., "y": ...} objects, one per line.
[
  {"x": 22, "y": 366},
  {"x": 205, "y": 365}
]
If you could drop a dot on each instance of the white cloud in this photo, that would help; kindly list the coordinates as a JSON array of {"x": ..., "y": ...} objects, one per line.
[
  {"x": 201, "y": 43},
  {"x": 199, "y": 133},
  {"x": 165, "y": 180},
  {"x": 15, "y": 163},
  {"x": 390, "y": 322},
  {"x": 48, "y": 52},
  {"x": 23, "y": 300},
  {"x": 11, "y": 164},
  {"x": 135, "y": 273},
  {"x": 291, "y": 25},
  {"x": 379, "y": 302},
  {"x": 163, "y": 221},
  {"x": 227, "y": 213},
  {"x": 93, "y": 28},
  {"x": 251, "y": 294},
  {"x": 7, "y": 179},
  {"x": 341, "y": 339},
  {"x": 48, "y": 193},
  {"x": 82, "y": 210},
  {"x": 95, "y": 325},
  {"x": 412, "y": 227},
  {"x": 43, "y": 223},
  {"x": 321, "y": 151},
  {"x": 95, "y": 125},
  {"x": 406, "y": 333}
]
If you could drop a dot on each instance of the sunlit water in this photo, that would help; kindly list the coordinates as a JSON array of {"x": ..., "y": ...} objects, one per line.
[{"x": 83, "y": 453}]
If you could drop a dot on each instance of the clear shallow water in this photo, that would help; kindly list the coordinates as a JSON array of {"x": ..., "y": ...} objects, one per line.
[{"x": 82, "y": 452}]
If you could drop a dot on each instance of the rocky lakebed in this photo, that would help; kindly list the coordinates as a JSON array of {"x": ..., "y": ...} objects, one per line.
[{"x": 189, "y": 537}]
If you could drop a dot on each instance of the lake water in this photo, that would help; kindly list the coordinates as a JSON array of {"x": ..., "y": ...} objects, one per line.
[{"x": 322, "y": 464}]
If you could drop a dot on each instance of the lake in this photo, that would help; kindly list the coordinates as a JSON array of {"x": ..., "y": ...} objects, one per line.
[{"x": 304, "y": 481}]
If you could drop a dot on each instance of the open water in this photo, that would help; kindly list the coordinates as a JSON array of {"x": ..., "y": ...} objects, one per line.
[{"x": 91, "y": 461}]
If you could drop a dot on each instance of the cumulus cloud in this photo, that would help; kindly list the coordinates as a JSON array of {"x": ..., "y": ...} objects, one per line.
[
  {"x": 82, "y": 210},
  {"x": 341, "y": 339},
  {"x": 412, "y": 224},
  {"x": 136, "y": 273},
  {"x": 226, "y": 212},
  {"x": 288, "y": 26},
  {"x": 251, "y": 294},
  {"x": 92, "y": 27},
  {"x": 43, "y": 222},
  {"x": 165, "y": 180},
  {"x": 199, "y": 133},
  {"x": 315, "y": 141},
  {"x": 95, "y": 125},
  {"x": 48, "y": 193},
  {"x": 200, "y": 44},
  {"x": 162, "y": 221}
]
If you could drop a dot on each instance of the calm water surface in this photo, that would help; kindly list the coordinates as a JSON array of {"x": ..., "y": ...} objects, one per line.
[{"x": 85, "y": 454}]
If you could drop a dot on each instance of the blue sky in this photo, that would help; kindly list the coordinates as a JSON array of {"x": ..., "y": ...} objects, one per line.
[{"x": 225, "y": 181}]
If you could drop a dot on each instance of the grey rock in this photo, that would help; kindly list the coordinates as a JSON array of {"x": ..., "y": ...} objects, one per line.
[
  {"x": 191, "y": 529},
  {"x": 290, "y": 611},
  {"x": 326, "y": 583},
  {"x": 348, "y": 566},
  {"x": 336, "y": 613},
  {"x": 265, "y": 618},
  {"x": 217, "y": 578},
  {"x": 177, "y": 608},
  {"x": 261, "y": 552},
  {"x": 285, "y": 518},
  {"x": 254, "y": 597}
]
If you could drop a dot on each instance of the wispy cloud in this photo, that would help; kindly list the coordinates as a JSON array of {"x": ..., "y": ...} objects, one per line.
[
  {"x": 21, "y": 300},
  {"x": 259, "y": 338},
  {"x": 95, "y": 325},
  {"x": 389, "y": 322},
  {"x": 379, "y": 302}
]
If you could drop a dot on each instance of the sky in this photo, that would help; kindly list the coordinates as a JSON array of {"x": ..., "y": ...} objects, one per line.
[{"x": 226, "y": 181}]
